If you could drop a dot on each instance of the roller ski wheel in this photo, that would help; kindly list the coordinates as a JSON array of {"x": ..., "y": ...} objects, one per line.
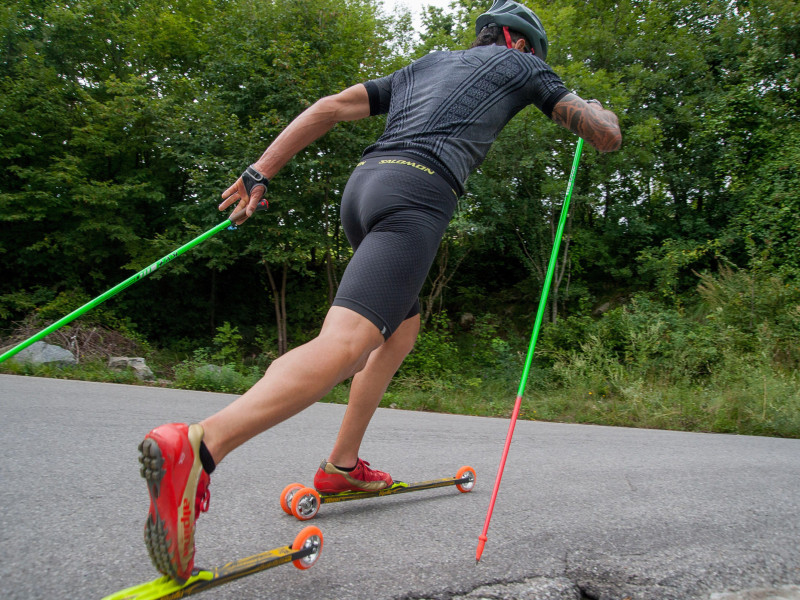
[
  {"x": 467, "y": 473},
  {"x": 304, "y": 502},
  {"x": 287, "y": 495},
  {"x": 309, "y": 539}
]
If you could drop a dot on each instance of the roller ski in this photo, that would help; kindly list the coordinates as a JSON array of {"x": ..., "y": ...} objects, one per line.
[
  {"x": 304, "y": 502},
  {"x": 303, "y": 553}
]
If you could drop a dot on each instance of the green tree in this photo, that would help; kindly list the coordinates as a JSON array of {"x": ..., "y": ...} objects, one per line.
[{"x": 267, "y": 80}]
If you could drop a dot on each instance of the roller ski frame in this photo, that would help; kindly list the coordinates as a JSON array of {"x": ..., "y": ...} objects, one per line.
[
  {"x": 304, "y": 502},
  {"x": 303, "y": 553}
]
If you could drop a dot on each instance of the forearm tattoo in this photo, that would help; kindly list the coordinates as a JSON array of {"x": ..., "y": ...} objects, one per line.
[{"x": 596, "y": 125}]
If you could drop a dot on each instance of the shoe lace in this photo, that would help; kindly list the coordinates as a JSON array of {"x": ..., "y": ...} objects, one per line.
[
  {"x": 203, "y": 497},
  {"x": 368, "y": 474}
]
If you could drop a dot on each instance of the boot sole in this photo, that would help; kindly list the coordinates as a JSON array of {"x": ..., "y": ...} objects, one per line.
[{"x": 155, "y": 531}]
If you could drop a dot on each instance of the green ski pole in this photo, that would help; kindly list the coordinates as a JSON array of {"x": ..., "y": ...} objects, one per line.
[
  {"x": 118, "y": 288},
  {"x": 551, "y": 267}
]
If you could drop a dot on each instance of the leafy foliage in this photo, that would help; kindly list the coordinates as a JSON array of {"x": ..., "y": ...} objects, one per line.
[{"x": 121, "y": 123}]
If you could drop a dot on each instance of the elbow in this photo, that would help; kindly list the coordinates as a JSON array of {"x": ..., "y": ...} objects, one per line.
[
  {"x": 610, "y": 141},
  {"x": 615, "y": 142},
  {"x": 327, "y": 110},
  {"x": 348, "y": 105}
]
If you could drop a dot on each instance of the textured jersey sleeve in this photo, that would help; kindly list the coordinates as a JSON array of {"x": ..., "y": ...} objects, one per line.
[
  {"x": 548, "y": 88},
  {"x": 380, "y": 95}
]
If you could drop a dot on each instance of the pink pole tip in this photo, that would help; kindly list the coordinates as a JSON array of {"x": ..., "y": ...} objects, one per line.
[{"x": 481, "y": 543}]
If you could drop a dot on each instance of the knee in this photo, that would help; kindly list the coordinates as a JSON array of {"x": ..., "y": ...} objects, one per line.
[
  {"x": 402, "y": 342},
  {"x": 406, "y": 344},
  {"x": 357, "y": 359},
  {"x": 407, "y": 334},
  {"x": 352, "y": 352}
]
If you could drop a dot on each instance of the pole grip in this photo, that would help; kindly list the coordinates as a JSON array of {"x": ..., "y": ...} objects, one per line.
[{"x": 238, "y": 215}]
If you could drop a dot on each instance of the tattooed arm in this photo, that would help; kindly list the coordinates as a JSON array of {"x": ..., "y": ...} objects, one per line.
[{"x": 589, "y": 120}]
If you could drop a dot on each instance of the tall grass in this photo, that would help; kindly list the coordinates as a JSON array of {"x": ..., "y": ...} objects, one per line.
[
  {"x": 728, "y": 361},
  {"x": 727, "y": 364}
]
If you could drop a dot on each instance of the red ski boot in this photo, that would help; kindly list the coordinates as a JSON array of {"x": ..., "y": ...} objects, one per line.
[
  {"x": 178, "y": 487},
  {"x": 332, "y": 480}
]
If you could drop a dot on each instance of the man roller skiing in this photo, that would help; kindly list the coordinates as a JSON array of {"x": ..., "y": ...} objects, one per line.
[{"x": 443, "y": 113}]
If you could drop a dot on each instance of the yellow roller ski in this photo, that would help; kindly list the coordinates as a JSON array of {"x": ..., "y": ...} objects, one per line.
[{"x": 303, "y": 553}]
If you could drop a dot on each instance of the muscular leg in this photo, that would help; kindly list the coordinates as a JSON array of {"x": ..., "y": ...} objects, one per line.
[
  {"x": 368, "y": 388},
  {"x": 295, "y": 381}
]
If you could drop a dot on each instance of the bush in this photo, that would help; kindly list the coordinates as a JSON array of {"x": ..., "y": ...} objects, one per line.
[
  {"x": 200, "y": 375},
  {"x": 729, "y": 366},
  {"x": 227, "y": 345},
  {"x": 435, "y": 353}
]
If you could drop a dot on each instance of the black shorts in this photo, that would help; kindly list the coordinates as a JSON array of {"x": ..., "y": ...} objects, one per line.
[{"x": 394, "y": 212}]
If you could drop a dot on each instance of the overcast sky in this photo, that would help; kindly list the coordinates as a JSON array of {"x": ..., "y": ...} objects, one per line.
[{"x": 415, "y": 6}]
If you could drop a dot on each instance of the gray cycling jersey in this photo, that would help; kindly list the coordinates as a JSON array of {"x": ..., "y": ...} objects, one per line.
[{"x": 448, "y": 107}]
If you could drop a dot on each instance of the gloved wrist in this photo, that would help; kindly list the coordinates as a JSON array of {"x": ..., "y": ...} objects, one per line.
[{"x": 252, "y": 178}]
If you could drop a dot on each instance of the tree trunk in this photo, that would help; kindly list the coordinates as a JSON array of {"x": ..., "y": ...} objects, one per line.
[
  {"x": 279, "y": 301},
  {"x": 213, "y": 315},
  {"x": 330, "y": 270},
  {"x": 560, "y": 270},
  {"x": 440, "y": 281},
  {"x": 333, "y": 282},
  {"x": 283, "y": 345},
  {"x": 540, "y": 263}
]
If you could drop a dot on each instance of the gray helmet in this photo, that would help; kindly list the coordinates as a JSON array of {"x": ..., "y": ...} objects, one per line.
[{"x": 507, "y": 13}]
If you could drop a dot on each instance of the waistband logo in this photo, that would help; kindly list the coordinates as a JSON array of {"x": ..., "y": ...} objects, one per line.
[{"x": 395, "y": 161}]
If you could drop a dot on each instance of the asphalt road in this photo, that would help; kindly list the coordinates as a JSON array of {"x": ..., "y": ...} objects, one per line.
[{"x": 583, "y": 511}]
